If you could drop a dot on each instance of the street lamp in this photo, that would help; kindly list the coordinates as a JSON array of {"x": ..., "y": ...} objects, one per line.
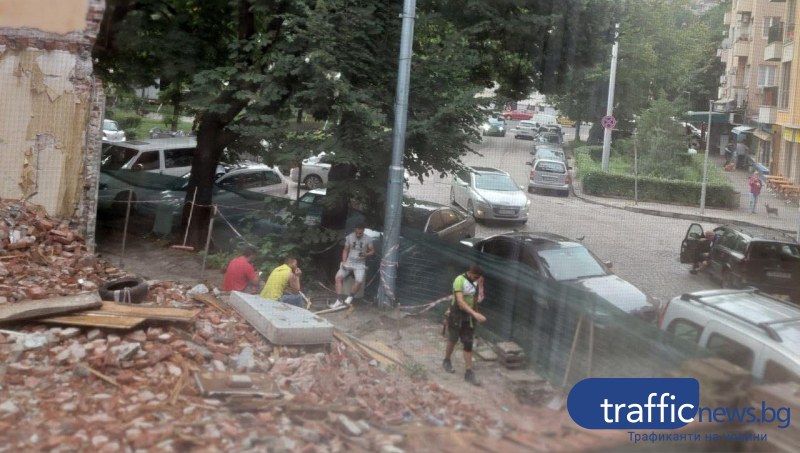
[{"x": 705, "y": 162}]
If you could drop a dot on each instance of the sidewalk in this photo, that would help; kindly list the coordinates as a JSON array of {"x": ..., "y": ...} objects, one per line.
[{"x": 786, "y": 222}]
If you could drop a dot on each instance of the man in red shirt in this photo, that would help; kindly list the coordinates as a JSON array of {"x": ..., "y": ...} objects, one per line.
[{"x": 240, "y": 275}]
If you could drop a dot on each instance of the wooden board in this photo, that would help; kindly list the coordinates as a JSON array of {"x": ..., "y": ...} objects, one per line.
[
  {"x": 152, "y": 313},
  {"x": 96, "y": 320},
  {"x": 30, "y": 309}
]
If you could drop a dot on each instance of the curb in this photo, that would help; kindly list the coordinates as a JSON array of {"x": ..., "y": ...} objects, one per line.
[{"x": 680, "y": 215}]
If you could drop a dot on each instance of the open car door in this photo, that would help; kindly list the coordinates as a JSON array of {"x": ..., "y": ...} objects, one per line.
[{"x": 691, "y": 244}]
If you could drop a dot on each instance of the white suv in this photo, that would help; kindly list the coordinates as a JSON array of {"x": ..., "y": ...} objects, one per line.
[{"x": 754, "y": 330}]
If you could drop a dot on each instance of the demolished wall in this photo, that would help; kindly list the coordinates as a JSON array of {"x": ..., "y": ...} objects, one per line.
[{"x": 51, "y": 107}]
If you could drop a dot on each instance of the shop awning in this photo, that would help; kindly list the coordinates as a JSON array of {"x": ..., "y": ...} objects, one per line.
[
  {"x": 702, "y": 117},
  {"x": 742, "y": 130},
  {"x": 761, "y": 135}
]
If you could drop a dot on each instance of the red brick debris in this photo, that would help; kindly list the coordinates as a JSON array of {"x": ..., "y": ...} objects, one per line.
[{"x": 90, "y": 389}]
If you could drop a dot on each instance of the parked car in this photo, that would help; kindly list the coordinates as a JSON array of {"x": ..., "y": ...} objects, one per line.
[
  {"x": 747, "y": 327},
  {"x": 553, "y": 138},
  {"x": 550, "y": 152},
  {"x": 494, "y": 127},
  {"x": 564, "y": 121},
  {"x": 168, "y": 156},
  {"x": 489, "y": 194},
  {"x": 315, "y": 171},
  {"x": 748, "y": 256},
  {"x": 517, "y": 115},
  {"x": 112, "y": 132},
  {"x": 550, "y": 173},
  {"x": 567, "y": 262},
  {"x": 244, "y": 187},
  {"x": 526, "y": 130}
]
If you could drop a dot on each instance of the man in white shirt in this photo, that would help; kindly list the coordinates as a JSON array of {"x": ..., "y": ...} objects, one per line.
[{"x": 357, "y": 248}]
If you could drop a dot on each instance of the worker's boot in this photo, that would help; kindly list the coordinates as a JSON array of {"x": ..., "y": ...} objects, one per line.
[
  {"x": 448, "y": 366},
  {"x": 469, "y": 376}
]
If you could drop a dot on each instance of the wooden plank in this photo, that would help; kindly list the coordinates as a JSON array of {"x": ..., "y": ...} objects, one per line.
[
  {"x": 30, "y": 309},
  {"x": 152, "y": 313},
  {"x": 384, "y": 350},
  {"x": 95, "y": 320},
  {"x": 211, "y": 300}
]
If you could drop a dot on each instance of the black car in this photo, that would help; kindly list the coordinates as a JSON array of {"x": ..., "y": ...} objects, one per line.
[
  {"x": 565, "y": 262},
  {"x": 748, "y": 256}
]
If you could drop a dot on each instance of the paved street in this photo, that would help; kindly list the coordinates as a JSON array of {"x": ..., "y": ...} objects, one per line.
[{"x": 643, "y": 248}]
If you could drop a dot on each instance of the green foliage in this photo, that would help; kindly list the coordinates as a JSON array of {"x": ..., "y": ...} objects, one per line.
[
  {"x": 663, "y": 47},
  {"x": 619, "y": 181}
]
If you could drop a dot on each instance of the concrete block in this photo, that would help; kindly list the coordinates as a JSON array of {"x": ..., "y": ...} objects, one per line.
[{"x": 281, "y": 323}]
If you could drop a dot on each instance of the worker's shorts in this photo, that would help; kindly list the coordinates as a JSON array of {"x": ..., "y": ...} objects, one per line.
[
  {"x": 358, "y": 273},
  {"x": 461, "y": 329}
]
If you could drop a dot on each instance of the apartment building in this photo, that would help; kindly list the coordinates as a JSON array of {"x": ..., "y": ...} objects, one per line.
[
  {"x": 749, "y": 86},
  {"x": 786, "y": 161}
]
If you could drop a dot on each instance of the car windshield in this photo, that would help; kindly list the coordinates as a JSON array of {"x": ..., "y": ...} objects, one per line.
[
  {"x": 526, "y": 124},
  {"x": 499, "y": 182},
  {"x": 495, "y": 122},
  {"x": 114, "y": 157},
  {"x": 571, "y": 263},
  {"x": 109, "y": 125}
]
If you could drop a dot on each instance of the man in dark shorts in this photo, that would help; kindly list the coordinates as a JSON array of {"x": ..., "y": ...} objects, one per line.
[
  {"x": 467, "y": 294},
  {"x": 703, "y": 253}
]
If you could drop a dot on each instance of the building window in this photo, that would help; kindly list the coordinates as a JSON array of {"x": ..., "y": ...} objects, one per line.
[
  {"x": 769, "y": 21},
  {"x": 783, "y": 97},
  {"x": 766, "y": 75}
]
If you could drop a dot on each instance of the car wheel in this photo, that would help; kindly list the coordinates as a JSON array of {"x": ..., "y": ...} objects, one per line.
[
  {"x": 131, "y": 290},
  {"x": 313, "y": 182},
  {"x": 727, "y": 280},
  {"x": 453, "y": 196}
]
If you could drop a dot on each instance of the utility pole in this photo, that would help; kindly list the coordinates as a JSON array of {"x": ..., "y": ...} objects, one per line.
[
  {"x": 610, "y": 104},
  {"x": 705, "y": 163},
  {"x": 394, "y": 192}
]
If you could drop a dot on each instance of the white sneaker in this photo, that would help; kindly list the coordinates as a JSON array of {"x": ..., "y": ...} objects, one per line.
[
  {"x": 349, "y": 300},
  {"x": 337, "y": 304}
]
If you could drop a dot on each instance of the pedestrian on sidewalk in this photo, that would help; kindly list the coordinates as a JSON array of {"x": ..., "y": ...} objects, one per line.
[
  {"x": 283, "y": 284},
  {"x": 240, "y": 275},
  {"x": 467, "y": 294},
  {"x": 755, "y": 190}
]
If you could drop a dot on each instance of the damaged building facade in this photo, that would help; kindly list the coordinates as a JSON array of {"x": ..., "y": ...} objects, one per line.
[{"x": 51, "y": 107}]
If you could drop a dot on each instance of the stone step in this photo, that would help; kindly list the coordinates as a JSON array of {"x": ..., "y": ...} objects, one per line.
[{"x": 280, "y": 323}]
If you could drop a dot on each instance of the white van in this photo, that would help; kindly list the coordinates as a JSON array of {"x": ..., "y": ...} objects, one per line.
[
  {"x": 754, "y": 330},
  {"x": 167, "y": 156}
]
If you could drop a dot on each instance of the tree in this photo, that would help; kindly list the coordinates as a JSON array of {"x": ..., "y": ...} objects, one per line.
[
  {"x": 251, "y": 68},
  {"x": 663, "y": 48}
]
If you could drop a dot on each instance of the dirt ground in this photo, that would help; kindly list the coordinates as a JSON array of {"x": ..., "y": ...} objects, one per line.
[{"x": 515, "y": 399}]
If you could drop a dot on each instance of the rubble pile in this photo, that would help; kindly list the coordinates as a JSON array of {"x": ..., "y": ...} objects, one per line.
[
  {"x": 41, "y": 258},
  {"x": 106, "y": 390}
]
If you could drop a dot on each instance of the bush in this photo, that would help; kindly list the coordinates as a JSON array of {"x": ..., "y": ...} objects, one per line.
[{"x": 619, "y": 181}]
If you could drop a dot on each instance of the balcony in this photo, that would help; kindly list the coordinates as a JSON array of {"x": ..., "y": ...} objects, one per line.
[
  {"x": 789, "y": 32},
  {"x": 743, "y": 6},
  {"x": 773, "y": 51},
  {"x": 788, "y": 52},
  {"x": 740, "y": 94},
  {"x": 767, "y": 114},
  {"x": 741, "y": 49},
  {"x": 726, "y": 19}
]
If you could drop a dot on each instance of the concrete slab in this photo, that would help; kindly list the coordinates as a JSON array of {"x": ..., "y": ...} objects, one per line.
[{"x": 280, "y": 323}]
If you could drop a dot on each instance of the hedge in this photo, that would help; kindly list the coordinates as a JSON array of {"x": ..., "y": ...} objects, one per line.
[{"x": 616, "y": 184}]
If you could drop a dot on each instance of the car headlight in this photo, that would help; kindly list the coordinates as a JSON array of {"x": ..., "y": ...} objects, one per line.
[
  {"x": 485, "y": 127},
  {"x": 500, "y": 128}
]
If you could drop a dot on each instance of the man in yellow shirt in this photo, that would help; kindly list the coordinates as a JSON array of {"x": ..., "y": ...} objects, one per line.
[{"x": 283, "y": 283}]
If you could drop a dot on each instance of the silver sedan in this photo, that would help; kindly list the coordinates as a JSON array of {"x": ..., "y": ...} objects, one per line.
[{"x": 489, "y": 194}]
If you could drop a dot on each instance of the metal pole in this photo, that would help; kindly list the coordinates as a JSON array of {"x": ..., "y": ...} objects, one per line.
[
  {"x": 705, "y": 164},
  {"x": 797, "y": 235},
  {"x": 125, "y": 229},
  {"x": 635, "y": 172},
  {"x": 394, "y": 192},
  {"x": 208, "y": 241},
  {"x": 610, "y": 102}
]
